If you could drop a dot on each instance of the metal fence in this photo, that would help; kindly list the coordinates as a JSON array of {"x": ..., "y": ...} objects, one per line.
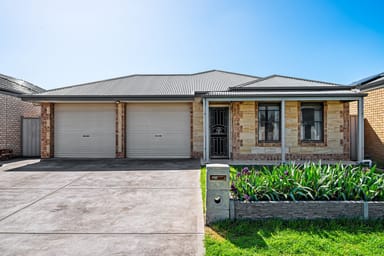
[{"x": 30, "y": 134}]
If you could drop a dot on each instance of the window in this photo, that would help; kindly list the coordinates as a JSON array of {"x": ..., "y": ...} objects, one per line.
[
  {"x": 312, "y": 128},
  {"x": 269, "y": 122}
]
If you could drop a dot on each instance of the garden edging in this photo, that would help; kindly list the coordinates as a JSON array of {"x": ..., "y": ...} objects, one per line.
[{"x": 290, "y": 210}]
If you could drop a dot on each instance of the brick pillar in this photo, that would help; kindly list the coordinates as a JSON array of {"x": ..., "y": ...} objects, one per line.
[
  {"x": 47, "y": 129},
  {"x": 120, "y": 130},
  {"x": 346, "y": 129},
  {"x": 236, "y": 116},
  {"x": 197, "y": 129}
]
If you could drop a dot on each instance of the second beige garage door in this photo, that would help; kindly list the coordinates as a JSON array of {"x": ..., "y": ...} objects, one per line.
[{"x": 158, "y": 130}]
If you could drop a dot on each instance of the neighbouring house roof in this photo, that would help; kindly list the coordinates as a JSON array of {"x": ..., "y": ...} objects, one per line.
[
  {"x": 17, "y": 86},
  {"x": 213, "y": 83},
  {"x": 370, "y": 83}
]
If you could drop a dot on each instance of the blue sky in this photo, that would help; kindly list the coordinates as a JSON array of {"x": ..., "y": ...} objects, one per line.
[{"x": 55, "y": 43}]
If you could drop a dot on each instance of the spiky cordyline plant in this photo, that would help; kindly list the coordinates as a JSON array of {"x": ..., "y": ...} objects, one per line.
[{"x": 310, "y": 181}]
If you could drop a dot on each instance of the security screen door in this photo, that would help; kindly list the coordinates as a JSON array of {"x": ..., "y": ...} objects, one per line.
[{"x": 218, "y": 125}]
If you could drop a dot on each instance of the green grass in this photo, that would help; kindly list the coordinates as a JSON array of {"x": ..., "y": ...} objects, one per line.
[
  {"x": 203, "y": 178},
  {"x": 275, "y": 237}
]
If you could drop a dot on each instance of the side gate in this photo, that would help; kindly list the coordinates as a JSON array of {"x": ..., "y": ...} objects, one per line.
[{"x": 30, "y": 137}]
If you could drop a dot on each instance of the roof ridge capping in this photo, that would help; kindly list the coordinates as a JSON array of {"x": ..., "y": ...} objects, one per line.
[
  {"x": 229, "y": 72},
  {"x": 245, "y": 85}
]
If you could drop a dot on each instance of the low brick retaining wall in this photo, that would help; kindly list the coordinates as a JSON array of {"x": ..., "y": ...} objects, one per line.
[{"x": 289, "y": 210}]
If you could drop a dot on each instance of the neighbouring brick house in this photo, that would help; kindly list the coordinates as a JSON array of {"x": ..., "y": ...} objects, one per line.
[
  {"x": 12, "y": 109},
  {"x": 209, "y": 115},
  {"x": 373, "y": 116}
]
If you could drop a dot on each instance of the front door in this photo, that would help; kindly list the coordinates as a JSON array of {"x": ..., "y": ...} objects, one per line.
[{"x": 218, "y": 125}]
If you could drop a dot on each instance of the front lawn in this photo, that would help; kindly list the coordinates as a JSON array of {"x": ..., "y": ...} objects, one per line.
[
  {"x": 203, "y": 178},
  {"x": 276, "y": 237}
]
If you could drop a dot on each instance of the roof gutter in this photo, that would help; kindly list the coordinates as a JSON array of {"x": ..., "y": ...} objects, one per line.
[
  {"x": 343, "y": 96},
  {"x": 109, "y": 98},
  {"x": 285, "y": 97},
  {"x": 292, "y": 88}
]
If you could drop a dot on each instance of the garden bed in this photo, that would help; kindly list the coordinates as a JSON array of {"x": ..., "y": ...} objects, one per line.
[
  {"x": 309, "y": 182},
  {"x": 311, "y": 191}
]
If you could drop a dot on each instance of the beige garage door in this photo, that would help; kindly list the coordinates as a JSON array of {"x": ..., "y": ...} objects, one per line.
[
  {"x": 85, "y": 130},
  {"x": 158, "y": 130}
]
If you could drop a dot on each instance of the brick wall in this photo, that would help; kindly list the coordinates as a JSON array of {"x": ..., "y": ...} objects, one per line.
[
  {"x": 289, "y": 210},
  {"x": 11, "y": 110},
  {"x": 120, "y": 132},
  {"x": 353, "y": 108},
  {"x": 373, "y": 124},
  {"x": 47, "y": 130},
  {"x": 245, "y": 145},
  {"x": 197, "y": 130},
  {"x": 236, "y": 130},
  {"x": 248, "y": 129}
]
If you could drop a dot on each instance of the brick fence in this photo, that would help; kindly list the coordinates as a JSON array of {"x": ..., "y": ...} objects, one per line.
[{"x": 289, "y": 210}]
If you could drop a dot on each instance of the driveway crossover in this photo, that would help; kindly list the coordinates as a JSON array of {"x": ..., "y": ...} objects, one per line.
[{"x": 47, "y": 209}]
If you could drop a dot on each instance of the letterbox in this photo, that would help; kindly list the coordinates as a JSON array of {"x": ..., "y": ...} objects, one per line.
[{"x": 217, "y": 196}]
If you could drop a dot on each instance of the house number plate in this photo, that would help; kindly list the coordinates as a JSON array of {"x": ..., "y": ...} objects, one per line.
[{"x": 217, "y": 177}]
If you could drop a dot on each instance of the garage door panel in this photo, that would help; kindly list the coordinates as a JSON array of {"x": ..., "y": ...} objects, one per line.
[
  {"x": 84, "y": 120},
  {"x": 85, "y": 130},
  {"x": 158, "y": 130}
]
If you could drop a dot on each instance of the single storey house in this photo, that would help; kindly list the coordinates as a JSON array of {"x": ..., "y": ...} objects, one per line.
[
  {"x": 13, "y": 111},
  {"x": 374, "y": 116},
  {"x": 209, "y": 115}
]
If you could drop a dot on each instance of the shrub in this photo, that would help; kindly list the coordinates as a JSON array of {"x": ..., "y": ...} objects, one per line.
[{"x": 310, "y": 181}]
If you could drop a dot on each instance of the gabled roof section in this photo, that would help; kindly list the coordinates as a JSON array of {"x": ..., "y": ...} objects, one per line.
[
  {"x": 155, "y": 85},
  {"x": 285, "y": 82},
  {"x": 17, "y": 86},
  {"x": 370, "y": 83}
]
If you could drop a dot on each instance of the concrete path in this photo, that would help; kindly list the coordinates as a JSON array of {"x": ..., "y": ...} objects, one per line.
[{"x": 104, "y": 212}]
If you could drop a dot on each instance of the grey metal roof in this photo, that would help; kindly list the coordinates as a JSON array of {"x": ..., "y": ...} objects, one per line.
[
  {"x": 370, "y": 83},
  {"x": 278, "y": 81},
  {"x": 17, "y": 86},
  {"x": 368, "y": 79},
  {"x": 156, "y": 85},
  {"x": 214, "y": 83}
]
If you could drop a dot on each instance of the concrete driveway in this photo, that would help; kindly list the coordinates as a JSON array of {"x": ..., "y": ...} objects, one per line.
[{"x": 103, "y": 207}]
